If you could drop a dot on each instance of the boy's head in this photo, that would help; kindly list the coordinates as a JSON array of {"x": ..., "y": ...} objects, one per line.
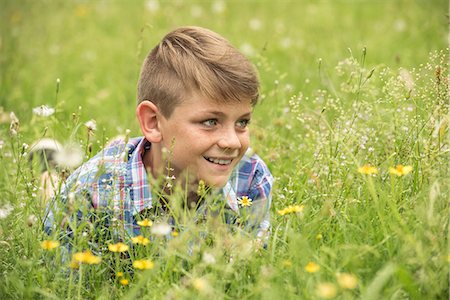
[
  {"x": 196, "y": 95},
  {"x": 196, "y": 60}
]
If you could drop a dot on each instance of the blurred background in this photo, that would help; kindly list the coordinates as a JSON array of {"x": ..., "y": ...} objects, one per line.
[{"x": 96, "y": 48}]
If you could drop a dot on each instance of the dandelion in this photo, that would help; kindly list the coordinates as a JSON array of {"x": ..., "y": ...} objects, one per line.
[
  {"x": 91, "y": 126},
  {"x": 368, "y": 170},
  {"x": 119, "y": 247},
  {"x": 400, "y": 170},
  {"x": 347, "y": 281},
  {"x": 43, "y": 111},
  {"x": 49, "y": 245},
  {"x": 86, "y": 257},
  {"x": 312, "y": 267},
  {"x": 245, "y": 201},
  {"x": 326, "y": 290},
  {"x": 161, "y": 229},
  {"x": 291, "y": 209},
  {"x": 124, "y": 281},
  {"x": 70, "y": 156},
  {"x": 140, "y": 240},
  {"x": 175, "y": 233},
  {"x": 119, "y": 274},
  {"x": 143, "y": 264},
  {"x": 145, "y": 223},
  {"x": 319, "y": 236}
]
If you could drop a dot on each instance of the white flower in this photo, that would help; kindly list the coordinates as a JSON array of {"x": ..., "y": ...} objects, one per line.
[
  {"x": 5, "y": 211},
  {"x": 70, "y": 156},
  {"x": 91, "y": 125},
  {"x": 208, "y": 258},
  {"x": 218, "y": 7},
  {"x": 161, "y": 229},
  {"x": 152, "y": 5},
  {"x": 247, "y": 49},
  {"x": 43, "y": 111},
  {"x": 255, "y": 24}
]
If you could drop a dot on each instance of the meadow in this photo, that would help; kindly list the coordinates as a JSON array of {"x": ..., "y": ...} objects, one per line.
[{"x": 352, "y": 122}]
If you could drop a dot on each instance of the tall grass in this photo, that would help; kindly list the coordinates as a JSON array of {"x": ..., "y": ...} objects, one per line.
[{"x": 344, "y": 85}]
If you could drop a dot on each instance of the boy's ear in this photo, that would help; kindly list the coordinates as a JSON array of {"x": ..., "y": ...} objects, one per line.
[{"x": 147, "y": 114}]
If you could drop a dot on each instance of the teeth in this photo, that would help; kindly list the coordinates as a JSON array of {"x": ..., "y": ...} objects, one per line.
[{"x": 219, "y": 161}]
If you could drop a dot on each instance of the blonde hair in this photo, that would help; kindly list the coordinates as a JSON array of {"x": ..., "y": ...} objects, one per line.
[{"x": 195, "y": 59}]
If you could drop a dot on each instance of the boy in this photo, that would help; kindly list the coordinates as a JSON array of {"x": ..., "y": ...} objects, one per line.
[{"x": 196, "y": 94}]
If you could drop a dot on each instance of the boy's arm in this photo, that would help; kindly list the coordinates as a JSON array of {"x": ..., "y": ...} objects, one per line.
[{"x": 260, "y": 192}]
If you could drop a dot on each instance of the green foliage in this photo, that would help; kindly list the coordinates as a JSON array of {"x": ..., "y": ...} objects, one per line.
[{"x": 344, "y": 84}]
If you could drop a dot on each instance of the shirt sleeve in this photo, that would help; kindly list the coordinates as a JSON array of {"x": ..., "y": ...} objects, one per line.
[{"x": 260, "y": 192}]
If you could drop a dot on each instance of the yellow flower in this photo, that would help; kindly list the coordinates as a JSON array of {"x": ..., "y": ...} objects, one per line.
[
  {"x": 143, "y": 264},
  {"x": 367, "y": 169},
  {"x": 175, "y": 233},
  {"x": 119, "y": 274},
  {"x": 245, "y": 201},
  {"x": 74, "y": 264},
  {"x": 347, "y": 281},
  {"x": 400, "y": 170},
  {"x": 140, "y": 240},
  {"x": 49, "y": 244},
  {"x": 291, "y": 209},
  {"x": 145, "y": 223},
  {"x": 287, "y": 263},
  {"x": 319, "y": 236},
  {"x": 326, "y": 290},
  {"x": 312, "y": 267},
  {"x": 119, "y": 247},
  {"x": 86, "y": 257},
  {"x": 124, "y": 281}
]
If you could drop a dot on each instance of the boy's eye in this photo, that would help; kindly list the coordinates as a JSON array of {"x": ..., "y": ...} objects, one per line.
[
  {"x": 210, "y": 123},
  {"x": 243, "y": 123}
]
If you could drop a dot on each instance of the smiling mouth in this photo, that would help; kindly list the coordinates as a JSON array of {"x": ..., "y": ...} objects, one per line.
[{"x": 218, "y": 161}]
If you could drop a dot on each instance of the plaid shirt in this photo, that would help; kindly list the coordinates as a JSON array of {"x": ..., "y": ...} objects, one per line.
[{"x": 115, "y": 181}]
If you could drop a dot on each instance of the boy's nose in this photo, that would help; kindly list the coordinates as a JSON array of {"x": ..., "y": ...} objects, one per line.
[{"x": 229, "y": 139}]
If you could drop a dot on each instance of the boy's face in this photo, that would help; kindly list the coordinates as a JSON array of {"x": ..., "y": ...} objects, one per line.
[{"x": 205, "y": 138}]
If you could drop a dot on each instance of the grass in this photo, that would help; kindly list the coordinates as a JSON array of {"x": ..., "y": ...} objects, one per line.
[{"x": 344, "y": 84}]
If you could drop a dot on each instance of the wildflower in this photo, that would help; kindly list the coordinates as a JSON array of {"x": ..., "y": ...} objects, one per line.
[
  {"x": 143, "y": 264},
  {"x": 15, "y": 124},
  {"x": 291, "y": 209},
  {"x": 312, "y": 267},
  {"x": 140, "y": 240},
  {"x": 70, "y": 156},
  {"x": 368, "y": 170},
  {"x": 91, "y": 126},
  {"x": 326, "y": 290},
  {"x": 49, "y": 244},
  {"x": 74, "y": 264},
  {"x": 119, "y": 247},
  {"x": 400, "y": 170},
  {"x": 201, "y": 189},
  {"x": 5, "y": 211},
  {"x": 86, "y": 257},
  {"x": 319, "y": 236},
  {"x": 31, "y": 220},
  {"x": 175, "y": 233},
  {"x": 43, "y": 111},
  {"x": 201, "y": 285},
  {"x": 161, "y": 229},
  {"x": 347, "y": 281},
  {"x": 119, "y": 274},
  {"x": 208, "y": 258},
  {"x": 152, "y": 5},
  {"x": 124, "y": 281},
  {"x": 245, "y": 201},
  {"x": 145, "y": 223}
]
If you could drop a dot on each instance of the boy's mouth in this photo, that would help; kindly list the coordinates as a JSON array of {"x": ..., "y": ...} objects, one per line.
[{"x": 218, "y": 161}]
